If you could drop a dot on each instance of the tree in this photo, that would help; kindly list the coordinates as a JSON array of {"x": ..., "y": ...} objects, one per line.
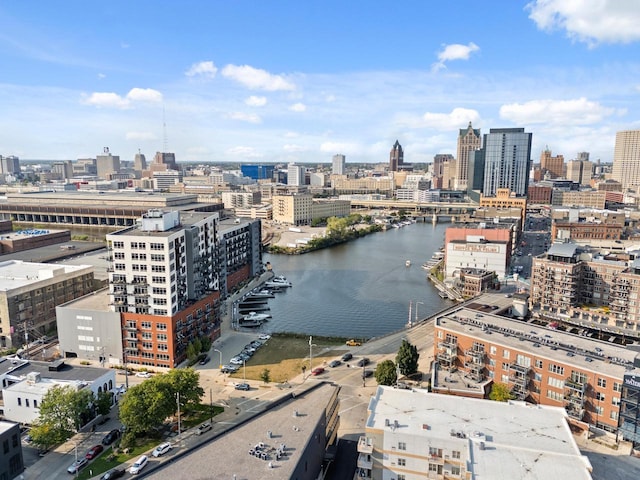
[
  {"x": 191, "y": 352},
  {"x": 386, "y": 373},
  {"x": 265, "y": 375},
  {"x": 63, "y": 411},
  {"x": 407, "y": 358},
  {"x": 500, "y": 392},
  {"x": 103, "y": 403},
  {"x": 186, "y": 381},
  {"x": 205, "y": 343}
]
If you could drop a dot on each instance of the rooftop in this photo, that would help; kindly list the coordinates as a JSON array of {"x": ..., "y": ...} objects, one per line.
[
  {"x": 287, "y": 428},
  {"x": 6, "y": 426},
  {"x": 187, "y": 219},
  {"x": 586, "y": 353},
  {"x": 66, "y": 372},
  {"x": 96, "y": 300},
  {"x": 16, "y": 274},
  {"x": 500, "y": 440}
]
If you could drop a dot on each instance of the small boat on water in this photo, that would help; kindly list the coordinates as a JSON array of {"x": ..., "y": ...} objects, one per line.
[
  {"x": 245, "y": 308},
  {"x": 407, "y": 263},
  {"x": 261, "y": 294},
  {"x": 255, "y": 316},
  {"x": 250, "y": 324},
  {"x": 272, "y": 284}
]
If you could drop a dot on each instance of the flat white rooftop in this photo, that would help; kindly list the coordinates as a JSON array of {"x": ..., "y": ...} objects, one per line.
[
  {"x": 499, "y": 440},
  {"x": 16, "y": 273}
]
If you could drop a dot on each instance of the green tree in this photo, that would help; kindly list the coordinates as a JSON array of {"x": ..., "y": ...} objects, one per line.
[
  {"x": 386, "y": 373},
  {"x": 407, "y": 358},
  {"x": 265, "y": 375},
  {"x": 205, "y": 343},
  {"x": 63, "y": 411},
  {"x": 103, "y": 403},
  {"x": 144, "y": 407},
  {"x": 191, "y": 352},
  {"x": 197, "y": 345},
  {"x": 500, "y": 392},
  {"x": 187, "y": 382}
]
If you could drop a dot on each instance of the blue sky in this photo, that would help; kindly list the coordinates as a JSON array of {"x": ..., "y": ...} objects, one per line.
[{"x": 264, "y": 81}]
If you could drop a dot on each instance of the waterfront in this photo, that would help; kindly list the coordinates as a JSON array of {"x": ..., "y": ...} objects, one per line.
[{"x": 359, "y": 289}]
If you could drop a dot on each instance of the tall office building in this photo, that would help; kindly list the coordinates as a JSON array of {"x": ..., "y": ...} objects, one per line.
[
  {"x": 9, "y": 165},
  {"x": 168, "y": 159},
  {"x": 296, "y": 175},
  {"x": 554, "y": 166},
  {"x": 338, "y": 164},
  {"x": 507, "y": 153},
  {"x": 396, "y": 157},
  {"x": 106, "y": 164},
  {"x": 443, "y": 171},
  {"x": 580, "y": 171},
  {"x": 140, "y": 162},
  {"x": 469, "y": 141},
  {"x": 626, "y": 159}
]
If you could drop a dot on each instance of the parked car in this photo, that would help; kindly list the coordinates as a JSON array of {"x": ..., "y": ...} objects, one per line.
[
  {"x": 205, "y": 427},
  {"x": 335, "y": 363},
  {"x": 353, "y": 343},
  {"x": 78, "y": 465},
  {"x": 161, "y": 449},
  {"x": 113, "y": 473},
  {"x": 139, "y": 464},
  {"x": 346, "y": 357},
  {"x": 205, "y": 360},
  {"x": 111, "y": 437},
  {"x": 143, "y": 375},
  {"x": 317, "y": 371},
  {"x": 367, "y": 373},
  {"x": 264, "y": 337},
  {"x": 363, "y": 361},
  {"x": 94, "y": 452},
  {"x": 229, "y": 368},
  {"x": 243, "y": 386}
]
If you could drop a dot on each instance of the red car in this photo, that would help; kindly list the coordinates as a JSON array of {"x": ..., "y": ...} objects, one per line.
[
  {"x": 94, "y": 452},
  {"x": 317, "y": 371}
]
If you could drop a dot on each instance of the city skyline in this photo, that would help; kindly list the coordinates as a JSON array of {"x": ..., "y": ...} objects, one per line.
[{"x": 253, "y": 82}]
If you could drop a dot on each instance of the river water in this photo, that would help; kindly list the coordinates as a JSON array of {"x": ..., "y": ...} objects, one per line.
[{"x": 359, "y": 289}]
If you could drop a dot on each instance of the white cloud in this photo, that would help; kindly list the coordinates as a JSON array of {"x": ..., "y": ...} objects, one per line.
[
  {"x": 144, "y": 95},
  {"x": 457, "y": 118},
  {"x": 256, "y": 79},
  {"x": 113, "y": 100},
  {"x": 101, "y": 76},
  {"x": 245, "y": 117},
  {"x": 590, "y": 21},
  {"x": 294, "y": 148},
  {"x": 205, "y": 69},
  {"x": 291, "y": 135},
  {"x": 140, "y": 136},
  {"x": 241, "y": 151},
  {"x": 298, "y": 107},
  {"x": 455, "y": 51},
  {"x": 330, "y": 98},
  {"x": 254, "y": 101},
  {"x": 567, "y": 112},
  {"x": 345, "y": 148}
]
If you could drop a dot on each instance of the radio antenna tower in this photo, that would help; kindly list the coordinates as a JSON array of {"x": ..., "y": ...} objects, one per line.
[{"x": 165, "y": 142}]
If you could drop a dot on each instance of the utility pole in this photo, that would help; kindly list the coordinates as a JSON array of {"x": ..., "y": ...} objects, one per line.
[
  {"x": 178, "y": 402},
  {"x": 211, "y": 404}
]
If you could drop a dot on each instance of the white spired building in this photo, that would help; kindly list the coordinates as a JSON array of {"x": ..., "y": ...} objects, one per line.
[{"x": 411, "y": 435}]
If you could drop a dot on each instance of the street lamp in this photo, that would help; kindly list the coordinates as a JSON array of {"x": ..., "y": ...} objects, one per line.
[
  {"x": 178, "y": 402},
  {"x": 244, "y": 371},
  {"x": 216, "y": 350},
  {"x": 418, "y": 303},
  {"x": 311, "y": 345}
]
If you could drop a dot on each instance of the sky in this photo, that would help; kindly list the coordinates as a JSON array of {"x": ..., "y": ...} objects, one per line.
[{"x": 301, "y": 81}]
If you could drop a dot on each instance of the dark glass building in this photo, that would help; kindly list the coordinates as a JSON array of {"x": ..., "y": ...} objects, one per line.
[
  {"x": 507, "y": 153},
  {"x": 629, "y": 422},
  {"x": 258, "y": 172}
]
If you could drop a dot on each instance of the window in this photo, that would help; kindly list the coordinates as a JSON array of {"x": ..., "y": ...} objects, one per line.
[
  {"x": 493, "y": 350},
  {"x": 35, "y": 403},
  {"x": 119, "y": 266},
  {"x": 145, "y": 325},
  {"x": 522, "y": 360},
  {"x": 615, "y": 401},
  {"x": 157, "y": 268},
  {"x": 553, "y": 368},
  {"x": 558, "y": 397},
  {"x": 159, "y": 291},
  {"x": 401, "y": 476},
  {"x": 455, "y": 454},
  {"x": 538, "y": 363},
  {"x": 598, "y": 409},
  {"x": 5, "y": 445},
  {"x": 455, "y": 470},
  {"x": 157, "y": 258},
  {"x": 402, "y": 462},
  {"x": 492, "y": 362},
  {"x": 506, "y": 354},
  {"x": 600, "y": 396},
  {"x": 156, "y": 246},
  {"x": 26, "y": 402},
  {"x": 14, "y": 439},
  {"x": 402, "y": 446},
  {"x": 613, "y": 415},
  {"x": 617, "y": 387},
  {"x": 19, "y": 402},
  {"x": 161, "y": 326},
  {"x": 118, "y": 255},
  {"x": 602, "y": 382},
  {"x": 504, "y": 378},
  {"x": 505, "y": 366}
]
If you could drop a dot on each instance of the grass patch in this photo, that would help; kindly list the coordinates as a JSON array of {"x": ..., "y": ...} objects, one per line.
[
  {"x": 284, "y": 355},
  {"x": 104, "y": 461}
]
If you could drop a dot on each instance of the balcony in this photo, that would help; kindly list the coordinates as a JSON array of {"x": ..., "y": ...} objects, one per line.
[
  {"x": 365, "y": 461},
  {"x": 365, "y": 445},
  {"x": 521, "y": 369},
  {"x": 575, "y": 385}
]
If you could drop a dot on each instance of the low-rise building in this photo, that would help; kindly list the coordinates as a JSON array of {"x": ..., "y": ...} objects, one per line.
[
  {"x": 25, "y": 383},
  {"x": 11, "y": 460},
  {"x": 412, "y": 435}
]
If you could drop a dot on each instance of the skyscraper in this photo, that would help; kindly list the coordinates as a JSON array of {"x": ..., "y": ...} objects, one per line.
[
  {"x": 337, "y": 165},
  {"x": 168, "y": 159},
  {"x": 507, "y": 153},
  {"x": 139, "y": 162},
  {"x": 626, "y": 159},
  {"x": 553, "y": 165},
  {"x": 396, "y": 157},
  {"x": 296, "y": 175},
  {"x": 107, "y": 164},
  {"x": 468, "y": 142}
]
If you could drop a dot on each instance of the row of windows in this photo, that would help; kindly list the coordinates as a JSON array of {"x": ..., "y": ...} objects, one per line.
[{"x": 26, "y": 402}]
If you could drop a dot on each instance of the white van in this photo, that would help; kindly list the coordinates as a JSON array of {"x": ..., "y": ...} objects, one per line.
[{"x": 139, "y": 465}]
